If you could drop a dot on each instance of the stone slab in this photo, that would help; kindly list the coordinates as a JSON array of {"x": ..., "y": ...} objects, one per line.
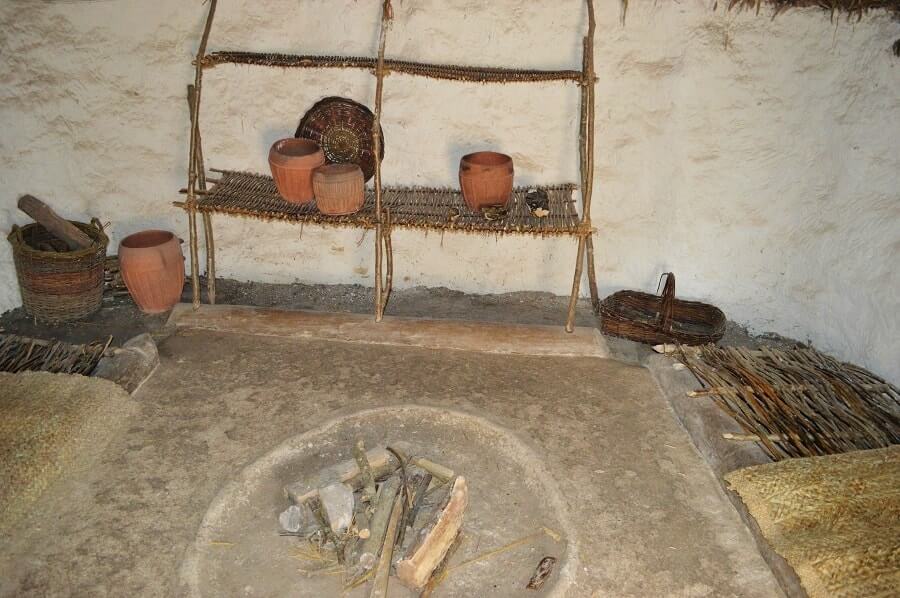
[
  {"x": 130, "y": 365},
  {"x": 705, "y": 423},
  {"x": 487, "y": 337}
]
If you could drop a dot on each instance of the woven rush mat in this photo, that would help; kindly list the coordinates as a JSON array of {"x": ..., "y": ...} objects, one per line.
[
  {"x": 835, "y": 519},
  {"x": 51, "y": 424}
]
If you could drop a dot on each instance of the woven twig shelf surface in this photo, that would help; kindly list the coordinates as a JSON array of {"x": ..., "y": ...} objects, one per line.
[
  {"x": 473, "y": 74},
  {"x": 59, "y": 286},
  {"x": 344, "y": 130},
  {"x": 255, "y": 196},
  {"x": 657, "y": 319}
]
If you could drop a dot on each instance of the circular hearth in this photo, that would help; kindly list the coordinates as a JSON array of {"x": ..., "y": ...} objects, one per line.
[{"x": 512, "y": 496}]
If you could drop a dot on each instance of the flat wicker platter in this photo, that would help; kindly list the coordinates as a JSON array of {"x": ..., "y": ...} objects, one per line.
[{"x": 344, "y": 130}]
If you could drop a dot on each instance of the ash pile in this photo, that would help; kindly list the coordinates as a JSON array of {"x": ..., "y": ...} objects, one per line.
[{"x": 386, "y": 516}]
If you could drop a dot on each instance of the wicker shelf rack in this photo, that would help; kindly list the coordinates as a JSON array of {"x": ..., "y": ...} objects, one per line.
[{"x": 244, "y": 194}]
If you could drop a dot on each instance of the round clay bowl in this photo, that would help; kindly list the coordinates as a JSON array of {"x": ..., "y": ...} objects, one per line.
[
  {"x": 486, "y": 179},
  {"x": 292, "y": 162},
  {"x": 339, "y": 188},
  {"x": 152, "y": 267}
]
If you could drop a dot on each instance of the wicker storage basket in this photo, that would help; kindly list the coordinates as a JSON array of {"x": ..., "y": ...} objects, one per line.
[
  {"x": 658, "y": 319},
  {"x": 59, "y": 286}
]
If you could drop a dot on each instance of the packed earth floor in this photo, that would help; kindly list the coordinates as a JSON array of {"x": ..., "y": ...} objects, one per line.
[{"x": 641, "y": 512}]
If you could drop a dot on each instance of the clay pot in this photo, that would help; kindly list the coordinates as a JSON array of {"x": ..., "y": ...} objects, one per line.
[
  {"x": 486, "y": 179},
  {"x": 152, "y": 267},
  {"x": 292, "y": 162},
  {"x": 339, "y": 188}
]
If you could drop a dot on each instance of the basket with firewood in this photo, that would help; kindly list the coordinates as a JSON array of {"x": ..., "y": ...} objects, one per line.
[{"x": 59, "y": 264}]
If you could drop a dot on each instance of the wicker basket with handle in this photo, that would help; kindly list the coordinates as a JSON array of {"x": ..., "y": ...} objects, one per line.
[
  {"x": 657, "y": 319},
  {"x": 59, "y": 285}
]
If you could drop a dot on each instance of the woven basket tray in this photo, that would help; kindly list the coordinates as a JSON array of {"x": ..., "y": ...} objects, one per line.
[
  {"x": 658, "y": 319},
  {"x": 344, "y": 130},
  {"x": 59, "y": 286}
]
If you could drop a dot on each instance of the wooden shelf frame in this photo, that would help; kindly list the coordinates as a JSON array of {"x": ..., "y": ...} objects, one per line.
[{"x": 377, "y": 212}]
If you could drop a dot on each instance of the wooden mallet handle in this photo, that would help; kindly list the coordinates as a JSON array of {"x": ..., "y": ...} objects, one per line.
[{"x": 62, "y": 228}]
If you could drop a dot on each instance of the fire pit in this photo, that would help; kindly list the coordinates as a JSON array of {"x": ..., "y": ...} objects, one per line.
[
  {"x": 385, "y": 510},
  {"x": 455, "y": 505}
]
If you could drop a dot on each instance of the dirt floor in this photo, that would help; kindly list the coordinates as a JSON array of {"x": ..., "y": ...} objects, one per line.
[{"x": 642, "y": 513}]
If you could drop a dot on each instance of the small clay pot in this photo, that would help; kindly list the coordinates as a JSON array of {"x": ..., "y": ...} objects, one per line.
[
  {"x": 152, "y": 267},
  {"x": 292, "y": 162},
  {"x": 486, "y": 179},
  {"x": 339, "y": 188}
]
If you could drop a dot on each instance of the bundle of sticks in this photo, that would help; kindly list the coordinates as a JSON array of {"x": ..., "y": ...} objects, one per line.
[
  {"x": 797, "y": 402},
  {"x": 20, "y": 354},
  {"x": 113, "y": 284},
  {"x": 384, "y": 514}
]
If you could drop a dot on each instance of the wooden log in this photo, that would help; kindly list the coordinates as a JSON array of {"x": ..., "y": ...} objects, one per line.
[
  {"x": 418, "y": 486},
  {"x": 418, "y": 565},
  {"x": 354, "y": 546},
  {"x": 362, "y": 463},
  {"x": 44, "y": 215},
  {"x": 437, "y": 470},
  {"x": 719, "y": 390},
  {"x": 434, "y": 501},
  {"x": 381, "y": 461},
  {"x": 383, "y": 569},
  {"x": 415, "y": 495},
  {"x": 384, "y": 505},
  {"x": 321, "y": 517},
  {"x": 788, "y": 437},
  {"x": 440, "y": 574}
]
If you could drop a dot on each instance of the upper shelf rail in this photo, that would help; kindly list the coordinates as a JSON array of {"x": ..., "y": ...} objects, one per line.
[{"x": 435, "y": 71}]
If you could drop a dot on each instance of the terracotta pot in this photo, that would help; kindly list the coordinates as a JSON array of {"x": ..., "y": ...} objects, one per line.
[
  {"x": 292, "y": 162},
  {"x": 486, "y": 179},
  {"x": 340, "y": 189},
  {"x": 152, "y": 267}
]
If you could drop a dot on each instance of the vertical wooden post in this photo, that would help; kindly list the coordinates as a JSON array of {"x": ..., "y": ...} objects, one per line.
[
  {"x": 387, "y": 15},
  {"x": 588, "y": 80},
  {"x": 576, "y": 285},
  {"x": 592, "y": 276},
  {"x": 207, "y": 217},
  {"x": 194, "y": 152},
  {"x": 389, "y": 255}
]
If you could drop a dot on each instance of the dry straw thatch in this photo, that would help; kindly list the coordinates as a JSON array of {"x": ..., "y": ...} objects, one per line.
[
  {"x": 834, "y": 519},
  {"x": 834, "y": 7},
  {"x": 850, "y": 7}
]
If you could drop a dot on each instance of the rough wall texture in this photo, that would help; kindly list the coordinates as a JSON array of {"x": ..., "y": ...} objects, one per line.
[{"x": 755, "y": 158}]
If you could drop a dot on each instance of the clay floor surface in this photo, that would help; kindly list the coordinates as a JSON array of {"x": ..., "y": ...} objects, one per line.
[{"x": 646, "y": 516}]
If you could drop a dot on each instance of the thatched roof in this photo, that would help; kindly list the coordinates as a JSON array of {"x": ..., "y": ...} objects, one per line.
[{"x": 851, "y": 7}]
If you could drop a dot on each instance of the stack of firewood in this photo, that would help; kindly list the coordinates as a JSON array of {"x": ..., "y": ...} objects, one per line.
[
  {"x": 113, "y": 285},
  {"x": 384, "y": 514}
]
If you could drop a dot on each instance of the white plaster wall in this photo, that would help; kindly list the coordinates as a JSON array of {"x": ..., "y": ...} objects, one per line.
[{"x": 755, "y": 158}]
